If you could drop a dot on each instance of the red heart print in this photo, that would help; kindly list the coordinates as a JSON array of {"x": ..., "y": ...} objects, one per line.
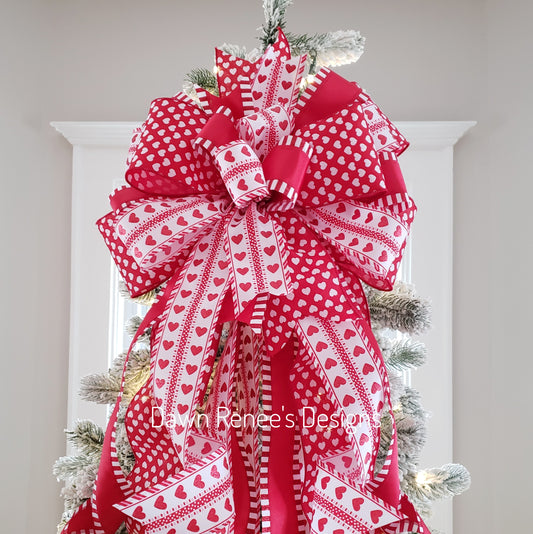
[
  {"x": 356, "y": 503},
  {"x": 198, "y": 482},
  {"x": 237, "y": 238},
  {"x": 160, "y": 503},
  {"x": 242, "y": 185},
  {"x": 214, "y": 472},
  {"x": 357, "y": 351},
  {"x": 159, "y": 382},
  {"x": 167, "y": 344},
  {"x": 348, "y": 399},
  {"x": 133, "y": 218},
  {"x": 149, "y": 208},
  {"x": 363, "y": 439},
  {"x": 367, "y": 368},
  {"x": 138, "y": 513},
  {"x": 181, "y": 221},
  {"x": 383, "y": 256},
  {"x": 190, "y": 368},
  {"x": 150, "y": 241},
  {"x": 186, "y": 388},
  {"x": 195, "y": 349},
  {"x": 340, "y": 491},
  {"x": 180, "y": 492},
  {"x": 375, "y": 515},
  {"x": 245, "y": 151},
  {"x": 163, "y": 363},
  {"x": 227, "y": 505},
  {"x": 312, "y": 330},
  {"x": 368, "y": 247},
  {"x": 182, "y": 408},
  {"x": 347, "y": 461},
  {"x": 348, "y": 334},
  {"x": 290, "y": 67},
  {"x": 229, "y": 157},
  {"x": 206, "y": 449},
  {"x": 339, "y": 381},
  {"x": 173, "y": 326},
  {"x": 369, "y": 218},
  {"x": 212, "y": 515},
  {"x": 324, "y": 482},
  {"x": 193, "y": 526},
  {"x": 321, "y": 524},
  {"x": 257, "y": 95},
  {"x": 283, "y": 125},
  {"x": 383, "y": 222},
  {"x": 398, "y": 231},
  {"x": 330, "y": 362},
  {"x": 375, "y": 387},
  {"x": 166, "y": 230}
]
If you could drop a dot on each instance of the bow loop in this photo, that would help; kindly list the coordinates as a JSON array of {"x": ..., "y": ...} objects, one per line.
[
  {"x": 264, "y": 129},
  {"x": 241, "y": 172},
  {"x": 284, "y": 169}
]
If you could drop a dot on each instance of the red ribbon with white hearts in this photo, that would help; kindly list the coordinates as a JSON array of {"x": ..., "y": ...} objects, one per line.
[{"x": 228, "y": 225}]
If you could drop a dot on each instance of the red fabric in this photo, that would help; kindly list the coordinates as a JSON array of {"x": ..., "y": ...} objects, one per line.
[{"x": 270, "y": 220}]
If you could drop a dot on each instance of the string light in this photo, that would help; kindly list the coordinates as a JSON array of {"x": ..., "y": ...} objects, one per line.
[{"x": 422, "y": 478}]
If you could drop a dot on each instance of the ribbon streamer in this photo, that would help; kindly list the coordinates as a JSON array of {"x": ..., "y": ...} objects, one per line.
[{"x": 266, "y": 209}]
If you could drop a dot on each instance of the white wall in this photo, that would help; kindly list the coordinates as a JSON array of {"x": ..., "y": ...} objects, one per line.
[{"x": 103, "y": 60}]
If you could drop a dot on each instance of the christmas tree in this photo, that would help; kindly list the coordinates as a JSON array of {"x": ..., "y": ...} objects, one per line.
[{"x": 396, "y": 317}]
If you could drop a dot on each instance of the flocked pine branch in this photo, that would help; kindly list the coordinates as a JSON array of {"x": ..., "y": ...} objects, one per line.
[
  {"x": 240, "y": 51},
  {"x": 331, "y": 49},
  {"x": 147, "y": 299},
  {"x": 274, "y": 18},
  {"x": 406, "y": 354},
  {"x": 103, "y": 388},
  {"x": 400, "y": 309},
  {"x": 204, "y": 78},
  {"x": 100, "y": 388},
  {"x": 87, "y": 437},
  {"x": 131, "y": 327},
  {"x": 437, "y": 483}
]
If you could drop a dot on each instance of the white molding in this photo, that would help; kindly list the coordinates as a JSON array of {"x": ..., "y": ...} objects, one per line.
[
  {"x": 421, "y": 134},
  {"x": 94, "y": 133}
]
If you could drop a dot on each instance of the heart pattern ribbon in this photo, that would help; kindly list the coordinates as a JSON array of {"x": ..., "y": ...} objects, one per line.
[{"x": 267, "y": 209}]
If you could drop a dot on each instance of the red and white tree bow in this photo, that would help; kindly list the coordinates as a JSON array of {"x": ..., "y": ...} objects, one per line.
[{"x": 266, "y": 209}]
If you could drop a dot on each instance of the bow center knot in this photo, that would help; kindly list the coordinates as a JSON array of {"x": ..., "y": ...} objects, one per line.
[{"x": 256, "y": 156}]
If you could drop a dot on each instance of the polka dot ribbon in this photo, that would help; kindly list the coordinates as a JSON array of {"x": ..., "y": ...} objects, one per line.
[{"x": 266, "y": 208}]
